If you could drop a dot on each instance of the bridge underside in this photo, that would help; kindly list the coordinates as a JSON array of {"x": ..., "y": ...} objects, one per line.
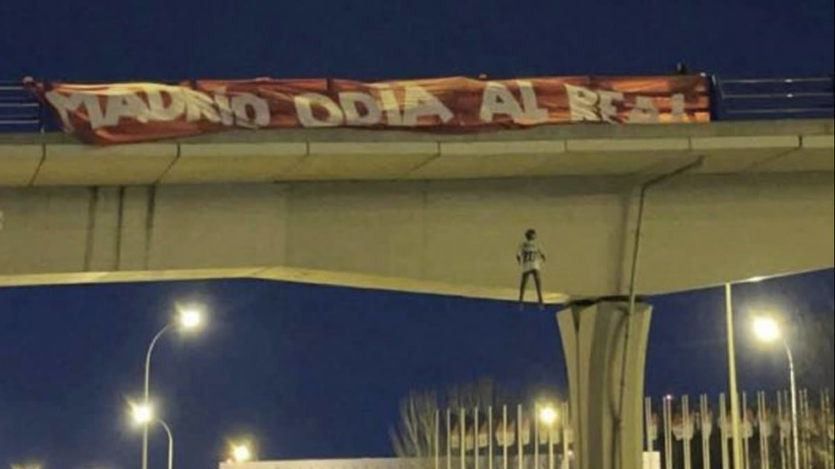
[{"x": 420, "y": 212}]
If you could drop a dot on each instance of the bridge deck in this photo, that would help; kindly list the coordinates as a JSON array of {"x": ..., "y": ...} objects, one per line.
[{"x": 319, "y": 155}]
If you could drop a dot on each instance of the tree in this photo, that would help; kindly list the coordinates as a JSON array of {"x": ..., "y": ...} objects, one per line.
[{"x": 414, "y": 435}]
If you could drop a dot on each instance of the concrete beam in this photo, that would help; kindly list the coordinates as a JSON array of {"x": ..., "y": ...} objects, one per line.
[
  {"x": 458, "y": 235},
  {"x": 343, "y": 154},
  {"x": 19, "y": 164},
  {"x": 234, "y": 162}
]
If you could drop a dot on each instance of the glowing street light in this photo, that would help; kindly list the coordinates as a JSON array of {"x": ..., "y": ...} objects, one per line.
[
  {"x": 767, "y": 330},
  {"x": 189, "y": 319},
  {"x": 548, "y": 416},
  {"x": 241, "y": 453},
  {"x": 143, "y": 414}
]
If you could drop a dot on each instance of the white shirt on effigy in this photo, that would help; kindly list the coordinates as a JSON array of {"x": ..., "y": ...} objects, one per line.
[{"x": 531, "y": 256}]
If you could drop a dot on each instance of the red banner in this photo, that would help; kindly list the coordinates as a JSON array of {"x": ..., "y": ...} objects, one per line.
[{"x": 135, "y": 112}]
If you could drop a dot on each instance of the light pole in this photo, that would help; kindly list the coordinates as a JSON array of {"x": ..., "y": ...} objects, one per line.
[
  {"x": 734, "y": 390},
  {"x": 767, "y": 330},
  {"x": 170, "y": 443},
  {"x": 188, "y": 319},
  {"x": 143, "y": 414}
]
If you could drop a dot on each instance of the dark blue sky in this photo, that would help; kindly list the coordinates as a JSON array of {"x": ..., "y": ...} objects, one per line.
[
  {"x": 162, "y": 39},
  {"x": 318, "y": 371}
]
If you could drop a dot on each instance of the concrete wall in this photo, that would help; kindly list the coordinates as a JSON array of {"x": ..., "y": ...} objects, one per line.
[{"x": 699, "y": 230}]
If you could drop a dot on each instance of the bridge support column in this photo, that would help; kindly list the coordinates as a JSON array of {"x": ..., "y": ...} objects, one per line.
[{"x": 593, "y": 336}]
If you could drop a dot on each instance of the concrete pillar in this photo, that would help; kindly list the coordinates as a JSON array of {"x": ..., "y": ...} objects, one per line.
[{"x": 593, "y": 334}]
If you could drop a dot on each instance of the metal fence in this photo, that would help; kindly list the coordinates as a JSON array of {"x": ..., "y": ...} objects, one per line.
[
  {"x": 732, "y": 98},
  {"x": 772, "y": 98},
  {"x": 682, "y": 433},
  {"x": 501, "y": 438},
  {"x": 20, "y": 111},
  {"x": 695, "y": 434}
]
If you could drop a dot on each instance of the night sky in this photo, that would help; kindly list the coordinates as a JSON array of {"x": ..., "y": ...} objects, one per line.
[
  {"x": 373, "y": 39},
  {"x": 318, "y": 371}
]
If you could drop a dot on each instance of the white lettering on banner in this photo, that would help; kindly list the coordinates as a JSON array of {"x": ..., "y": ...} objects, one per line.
[
  {"x": 608, "y": 111},
  {"x": 73, "y": 102},
  {"x": 390, "y": 106},
  {"x": 533, "y": 114},
  {"x": 243, "y": 103},
  {"x": 497, "y": 99},
  {"x": 64, "y": 105},
  {"x": 597, "y": 106},
  {"x": 199, "y": 106},
  {"x": 590, "y": 105},
  {"x": 583, "y": 103},
  {"x": 419, "y": 103},
  {"x": 349, "y": 100},
  {"x": 225, "y": 109},
  {"x": 644, "y": 111},
  {"x": 304, "y": 109},
  {"x": 678, "y": 108},
  {"x": 126, "y": 105},
  {"x": 243, "y": 109},
  {"x": 157, "y": 109}
]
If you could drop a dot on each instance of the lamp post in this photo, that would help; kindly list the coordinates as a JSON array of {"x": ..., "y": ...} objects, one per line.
[
  {"x": 143, "y": 414},
  {"x": 188, "y": 319},
  {"x": 170, "y": 443},
  {"x": 767, "y": 330},
  {"x": 734, "y": 390}
]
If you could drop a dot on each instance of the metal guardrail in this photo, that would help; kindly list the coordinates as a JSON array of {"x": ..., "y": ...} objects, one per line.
[
  {"x": 732, "y": 99},
  {"x": 20, "y": 111},
  {"x": 773, "y": 98}
]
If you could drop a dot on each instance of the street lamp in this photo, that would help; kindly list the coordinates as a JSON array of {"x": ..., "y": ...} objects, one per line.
[
  {"x": 767, "y": 330},
  {"x": 241, "y": 452},
  {"x": 736, "y": 434},
  {"x": 143, "y": 414},
  {"x": 547, "y": 416},
  {"x": 188, "y": 319}
]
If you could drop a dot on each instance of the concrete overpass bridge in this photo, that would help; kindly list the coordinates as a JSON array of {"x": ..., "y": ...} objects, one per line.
[
  {"x": 422, "y": 212},
  {"x": 440, "y": 214}
]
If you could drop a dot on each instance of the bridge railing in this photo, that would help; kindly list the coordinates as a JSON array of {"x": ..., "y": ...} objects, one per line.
[
  {"x": 19, "y": 110},
  {"x": 773, "y": 98},
  {"x": 732, "y": 99}
]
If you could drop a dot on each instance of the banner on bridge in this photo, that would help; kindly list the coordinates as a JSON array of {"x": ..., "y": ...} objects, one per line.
[{"x": 136, "y": 112}]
